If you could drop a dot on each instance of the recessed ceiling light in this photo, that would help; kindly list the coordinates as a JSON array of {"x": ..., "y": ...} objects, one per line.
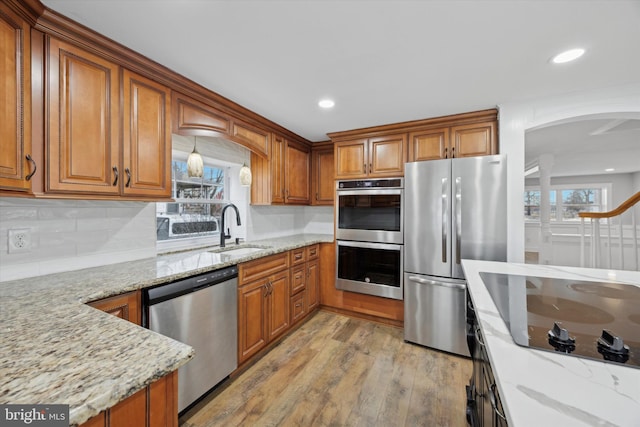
[
  {"x": 609, "y": 170},
  {"x": 567, "y": 56},
  {"x": 326, "y": 103}
]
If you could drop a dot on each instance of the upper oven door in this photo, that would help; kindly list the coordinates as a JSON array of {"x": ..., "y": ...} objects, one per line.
[{"x": 373, "y": 215}]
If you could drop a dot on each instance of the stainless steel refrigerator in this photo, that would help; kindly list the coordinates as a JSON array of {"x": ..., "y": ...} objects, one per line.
[{"x": 454, "y": 209}]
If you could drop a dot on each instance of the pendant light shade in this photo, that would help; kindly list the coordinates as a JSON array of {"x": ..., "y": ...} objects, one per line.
[
  {"x": 245, "y": 176},
  {"x": 195, "y": 165}
]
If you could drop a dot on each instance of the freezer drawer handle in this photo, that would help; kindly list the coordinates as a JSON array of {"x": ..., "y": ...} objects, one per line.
[{"x": 433, "y": 282}]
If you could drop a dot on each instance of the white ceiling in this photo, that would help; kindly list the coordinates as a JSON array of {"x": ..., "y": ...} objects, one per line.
[
  {"x": 382, "y": 61},
  {"x": 587, "y": 145}
]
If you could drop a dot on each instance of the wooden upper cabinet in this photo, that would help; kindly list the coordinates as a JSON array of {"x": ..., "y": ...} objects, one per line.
[
  {"x": 322, "y": 175},
  {"x": 387, "y": 155},
  {"x": 351, "y": 158},
  {"x": 382, "y": 156},
  {"x": 283, "y": 177},
  {"x": 190, "y": 115},
  {"x": 15, "y": 106},
  {"x": 463, "y": 140},
  {"x": 146, "y": 137},
  {"x": 431, "y": 144},
  {"x": 297, "y": 173},
  {"x": 478, "y": 139},
  {"x": 252, "y": 137},
  {"x": 83, "y": 149},
  {"x": 277, "y": 162}
]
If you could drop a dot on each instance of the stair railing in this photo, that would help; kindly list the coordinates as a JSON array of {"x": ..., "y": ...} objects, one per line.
[{"x": 611, "y": 218}]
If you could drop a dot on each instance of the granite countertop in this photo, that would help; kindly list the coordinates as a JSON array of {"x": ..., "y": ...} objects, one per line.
[
  {"x": 56, "y": 349},
  {"x": 544, "y": 388}
]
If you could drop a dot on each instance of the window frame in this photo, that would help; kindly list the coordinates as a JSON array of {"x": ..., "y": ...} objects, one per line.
[
  {"x": 195, "y": 241},
  {"x": 605, "y": 202}
]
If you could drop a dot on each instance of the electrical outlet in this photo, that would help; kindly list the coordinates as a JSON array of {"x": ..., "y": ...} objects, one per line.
[{"x": 19, "y": 240}]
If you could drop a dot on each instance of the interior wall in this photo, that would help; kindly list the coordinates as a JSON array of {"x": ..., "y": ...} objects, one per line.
[{"x": 516, "y": 117}]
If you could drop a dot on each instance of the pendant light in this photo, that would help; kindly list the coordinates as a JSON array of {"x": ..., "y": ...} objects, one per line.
[
  {"x": 195, "y": 165},
  {"x": 245, "y": 176}
]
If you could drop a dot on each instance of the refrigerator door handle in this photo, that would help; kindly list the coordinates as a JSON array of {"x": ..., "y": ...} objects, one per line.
[
  {"x": 458, "y": 210},
  {"x": 423, "y": 281},
  {"x": 445, "y": 216}
]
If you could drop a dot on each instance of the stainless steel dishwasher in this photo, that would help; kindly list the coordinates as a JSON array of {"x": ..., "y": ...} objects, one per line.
[{"x": 200, "y": 311}]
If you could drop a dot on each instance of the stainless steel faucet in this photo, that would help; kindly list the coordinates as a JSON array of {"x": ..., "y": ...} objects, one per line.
[{"x": 227, "y": 235}]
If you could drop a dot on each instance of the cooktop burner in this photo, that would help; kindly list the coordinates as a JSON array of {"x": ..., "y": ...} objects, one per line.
[{"x": 596, "y": 320}]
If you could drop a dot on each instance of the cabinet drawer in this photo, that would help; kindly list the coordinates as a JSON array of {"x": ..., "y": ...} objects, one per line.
[
  {"x": 298, "y": 256},
  {"x": 312, "y": 252},
  {"x": 298, "y": 307},
  {"x": 263, "y": 267},
  {"x": 298, "y": 281}
]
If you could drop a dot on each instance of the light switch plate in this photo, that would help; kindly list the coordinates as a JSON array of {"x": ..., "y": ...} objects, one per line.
[{"x": 19, "y": 240}]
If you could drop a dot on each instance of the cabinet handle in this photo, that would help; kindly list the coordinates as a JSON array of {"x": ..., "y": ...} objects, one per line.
[
  {"x": 316, "y": 197},
  {"x": 479, "y": 335},
  {"x": 266, "y": 288},
  {"x": 33, "y": 163},
  {"x": 115, "y": 172},
  {"x": 370, "y": 168},
  {"x": 494, "y": 404},
  {"x": 299, "y": 304},
  {"x": 364, "y": 167},
  {"x": 445, "y": 152},
  {"x": 128, "y": 172},
  {"x": 453, "y": 152}
]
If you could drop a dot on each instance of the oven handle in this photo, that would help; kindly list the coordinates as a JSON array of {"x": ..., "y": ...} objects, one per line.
[
  {"x": 458, "y": 286},
  {"x": 370, "y": 245},
  {"x": 369, "y": 191}
]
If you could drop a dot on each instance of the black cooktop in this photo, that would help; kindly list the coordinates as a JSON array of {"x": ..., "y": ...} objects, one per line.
[{"x": 596, "y": 320}]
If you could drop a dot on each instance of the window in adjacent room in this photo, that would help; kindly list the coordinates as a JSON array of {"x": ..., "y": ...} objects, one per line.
[{"x": 567, "y": 201}]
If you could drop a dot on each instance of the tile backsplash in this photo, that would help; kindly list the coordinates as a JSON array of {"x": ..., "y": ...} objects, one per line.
[{"x": 70, "y": 235}]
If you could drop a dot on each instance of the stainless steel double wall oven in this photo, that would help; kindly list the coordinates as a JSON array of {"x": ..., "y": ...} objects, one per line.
[{"x": 369, "y": 234}]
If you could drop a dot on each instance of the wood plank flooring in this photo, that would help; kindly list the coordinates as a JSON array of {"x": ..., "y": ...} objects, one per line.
[{"x": 340, "y": 371}]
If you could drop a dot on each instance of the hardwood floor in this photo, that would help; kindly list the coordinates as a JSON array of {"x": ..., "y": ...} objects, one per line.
[{"x": 340, "y": 371}]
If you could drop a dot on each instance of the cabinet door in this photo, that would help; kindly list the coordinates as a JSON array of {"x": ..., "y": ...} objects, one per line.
[
  {"x": 130, "y": 412},
  {"x": 83, "y": 137},
  {"x": 298, "y": 307},
  {"x": 298, "y": 279},
  {"x": 477, "y": 139},
  {"x": 351, "y": 159},
  {"x": 15, "y": 107},
  {"x": 431, "y": 144},
  {"x": 147, "y": 137},
  {"x": 278, "y": 310},
  {"x": 313, "y": 284},
  {"x": 297, "y": 173},
  {"x": 125, "y": 306},
  {"x": 322, "y": 179},
  {"x": 252, "y": 315},
  {"x": 276, "y": 158},
  {"x": 387, "y": 155}
]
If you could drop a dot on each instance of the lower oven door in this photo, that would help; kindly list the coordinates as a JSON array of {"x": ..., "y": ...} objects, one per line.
[{"x": 370, "y": 268}]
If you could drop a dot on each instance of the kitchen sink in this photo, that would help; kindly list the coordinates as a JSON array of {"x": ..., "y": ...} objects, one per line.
[{"x": 239, "y": 251}]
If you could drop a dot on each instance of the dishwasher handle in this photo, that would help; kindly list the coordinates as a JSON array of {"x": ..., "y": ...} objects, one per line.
[{"x": 181, "y": 287}]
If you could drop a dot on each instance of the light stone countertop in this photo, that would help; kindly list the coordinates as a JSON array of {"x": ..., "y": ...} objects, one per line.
[
  {"x": 56, "y": 349},
  {"x": 540, "y": 388}
]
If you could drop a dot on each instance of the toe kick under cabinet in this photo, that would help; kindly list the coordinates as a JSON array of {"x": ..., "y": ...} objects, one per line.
[{"x": 275, "y": 293}]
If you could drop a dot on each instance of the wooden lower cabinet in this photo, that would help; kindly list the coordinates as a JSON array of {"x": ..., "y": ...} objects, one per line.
[
  {"x": 274, "y": 293},
  {"x": 125, "y": 306},
  {"x": 313, "y": 284},
  {"x": 263, "y": 304},
  {"x": 155, "y": 405}
]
